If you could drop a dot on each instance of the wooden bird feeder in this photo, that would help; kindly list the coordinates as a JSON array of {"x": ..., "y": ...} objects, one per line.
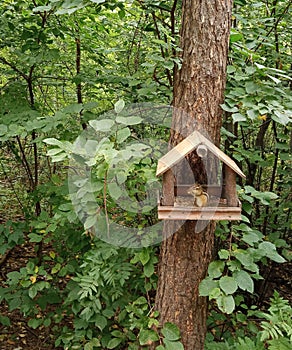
[{"x": 223, "y": 201}]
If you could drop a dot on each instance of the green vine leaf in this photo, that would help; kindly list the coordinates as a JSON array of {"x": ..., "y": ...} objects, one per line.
[
  {"x": 216, "y": 268},
  {"x": 147, "y": 337},
  {"x": 170, "y": 331},
  {"x": 226, "y": 303},
  {"x": 119, "y": 106},
  {"x": 244, "y": 281},
  {"x": 228, "y": 284},
  {"x": 113, "y": 343},
  {"x": 123, "y": 134},
  {"x": 104, "y": 125},
  {"x": 129, "y": 120}
]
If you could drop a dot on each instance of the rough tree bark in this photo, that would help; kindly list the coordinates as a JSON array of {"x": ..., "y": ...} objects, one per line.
[{"x": 198, "y": 91}]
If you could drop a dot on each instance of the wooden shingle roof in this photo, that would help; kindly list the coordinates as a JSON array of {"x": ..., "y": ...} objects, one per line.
[{"x": 186, "y": 146}]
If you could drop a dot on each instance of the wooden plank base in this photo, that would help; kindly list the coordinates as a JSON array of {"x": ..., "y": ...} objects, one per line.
[{"x": 194, "y": 213}]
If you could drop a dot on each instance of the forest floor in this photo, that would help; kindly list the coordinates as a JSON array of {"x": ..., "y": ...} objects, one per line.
[{"x": 19, "y": 336}]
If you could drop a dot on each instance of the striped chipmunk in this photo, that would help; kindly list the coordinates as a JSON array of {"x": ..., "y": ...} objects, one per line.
[{"x": 201, "y": 198}]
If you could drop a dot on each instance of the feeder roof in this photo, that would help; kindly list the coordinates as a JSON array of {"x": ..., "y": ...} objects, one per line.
[{"x": 189, "y": 144}]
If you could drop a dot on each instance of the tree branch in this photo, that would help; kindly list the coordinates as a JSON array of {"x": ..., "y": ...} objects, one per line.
[{"x": 4, "y": 61}]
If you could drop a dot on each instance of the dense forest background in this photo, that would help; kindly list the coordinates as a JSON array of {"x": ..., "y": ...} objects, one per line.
[{"x": 63, "y": 66}]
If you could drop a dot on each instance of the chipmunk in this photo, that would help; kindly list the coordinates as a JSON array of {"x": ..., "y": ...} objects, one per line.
[{"x": 201, "y": 197}]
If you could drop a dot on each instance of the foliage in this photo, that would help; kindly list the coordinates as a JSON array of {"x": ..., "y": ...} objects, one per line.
[
  {"x": 238, "y": 267},
  {"x": 103, "y": 314},
  {"x": 11, "y": 235},
  {"x": 119, "y": 179},
  {"x": 275, "y": 329},
  {"x": 63, "y": 65}
]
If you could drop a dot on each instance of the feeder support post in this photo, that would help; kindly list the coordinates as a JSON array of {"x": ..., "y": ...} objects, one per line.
[
  {"x": 230, "y": 187},
  {"x": 168, "y": 188}
]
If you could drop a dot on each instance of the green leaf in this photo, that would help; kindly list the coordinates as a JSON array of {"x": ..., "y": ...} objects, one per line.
[
  {"x": 100, "y": 321},
  {"x": 216, "y": 268},
  {"x": 140, "y": 301},
  {"x": 228, "y": 284},
  {"x": 114, "y": 190},
  {"x": 56, "y": 268},
  {"x": 15, "y": 303},
  {"x": 235, "y": 36},
  {"x": 65, "y": 207},
  {"x": 244, "y": 257},
  {"x": 270, "y": 252},
  {"x": 90, "y": 221},
  {"x": 147, "y": 337},
  {"x": 88, "y": 346},
  {"x": 252, "y": 114},
  {"x": 267, "y": 247},
  {"x": 176, "y": 345},
  {"x": 282, "y": 146},
  {"x": 117, "y": 333},
  {"x": 3, "y": 129},
  {"x": 92, "y": 344},
  {"x": 90, "y": 105},
  {"x": 224, "y": 254},
  {"x": 33, "y": 291},
  {"x": 35, "y": 322},
  {"x": 35, "y": 237},
  {"x": 206, "y": 286},
  {"x": 265, "y": 197},
  {"x": 14, "y": 276},
  {"x": 282, "y": 117},
  {"x": 226, "y": 108},
  {"x": 251, "y": 87},
  {"x": 226, "y": 303},
  {"x": 54, "y": 151},
  {"x": 95, "y": 342},
  {"x": 215, "y": 293},
  {"x": 252, "y": 237},
  {"x": 91, "y": 146},
  {"x": 144, "y": 256},
  {"x": 54, "y": 142},
  {"x": 42, "y": 8},
  {"x": 244, "y": 281},
  {"x": 129, "y": 120},
  {"x": 119, "y": 106},
  {"x": 227, "y": 133},
  {"x": 121, "y": 176},
  {"x": 113, "y": 343},
  {"x": 4, "y": 320},
  {"x": 233, "y": 265},
  {"x": 60, "y": 157},
  {"x": 282, "y": 343},
  {"x": 123, "y": 134},
  {"x": 74, "y": 108},
  {"x": 231, "y": 69},
  {"x": 98, "y": 1},
  {"x": 103, "y": 125},
  {"x": 275, "y": 80},
  {"x": 276, "y": 257},
  {"x": 170, "y": 331},
  {"x": 148, "y": 269},
  {"x": 238, "y": 117}
]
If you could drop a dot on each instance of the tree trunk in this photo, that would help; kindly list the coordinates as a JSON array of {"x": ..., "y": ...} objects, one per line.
[{"x": 198, "y": 92}]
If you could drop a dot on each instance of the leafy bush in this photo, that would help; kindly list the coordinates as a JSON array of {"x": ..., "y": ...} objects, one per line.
[{"x": 274, "y": 331}]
